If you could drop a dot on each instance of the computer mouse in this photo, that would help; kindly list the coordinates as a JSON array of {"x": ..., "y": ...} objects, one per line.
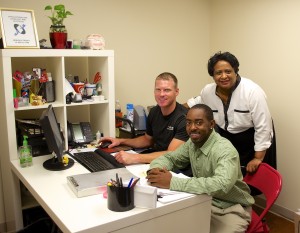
[{"x": 105, "y": 144}]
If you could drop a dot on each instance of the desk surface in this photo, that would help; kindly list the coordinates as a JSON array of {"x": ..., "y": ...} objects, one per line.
[{"x": 90, "y": 214}]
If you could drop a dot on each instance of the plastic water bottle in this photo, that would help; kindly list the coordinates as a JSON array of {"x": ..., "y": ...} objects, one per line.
[{"x": 129, "y": 114}]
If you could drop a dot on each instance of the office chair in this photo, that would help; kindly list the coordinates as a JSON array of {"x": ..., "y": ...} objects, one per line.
[
  {"x": 269, "y": 182},
  {"x": 132, "y": 133},
  {"x": 130, "y": 123}
]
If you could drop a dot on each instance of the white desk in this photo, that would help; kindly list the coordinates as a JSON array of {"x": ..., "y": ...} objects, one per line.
[{"x": 90, "y": 214}]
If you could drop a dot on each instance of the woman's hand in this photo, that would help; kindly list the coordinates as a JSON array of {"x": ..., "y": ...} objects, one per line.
[{"x": 253, "y": 165}]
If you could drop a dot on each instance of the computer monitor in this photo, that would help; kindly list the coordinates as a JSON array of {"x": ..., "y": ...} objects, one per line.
[{"x": 55, "y": 141}]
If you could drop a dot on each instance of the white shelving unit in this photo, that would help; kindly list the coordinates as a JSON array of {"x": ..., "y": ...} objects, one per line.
[{"x": 85, "y": 64}]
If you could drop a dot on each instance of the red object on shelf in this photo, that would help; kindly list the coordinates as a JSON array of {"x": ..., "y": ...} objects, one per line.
[{"x": 58, "y": 40}]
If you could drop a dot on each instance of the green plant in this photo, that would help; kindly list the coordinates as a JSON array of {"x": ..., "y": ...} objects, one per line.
[{"x": 58, "y": 14}]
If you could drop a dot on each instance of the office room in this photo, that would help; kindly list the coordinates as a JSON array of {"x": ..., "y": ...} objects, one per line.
[{"x": 150, "y": 37}]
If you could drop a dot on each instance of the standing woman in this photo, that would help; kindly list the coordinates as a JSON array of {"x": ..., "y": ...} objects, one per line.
[{"x": 240, "y": 111}]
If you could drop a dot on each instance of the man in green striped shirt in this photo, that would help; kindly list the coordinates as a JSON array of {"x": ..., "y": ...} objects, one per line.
[{"x": 216, "y": 172}]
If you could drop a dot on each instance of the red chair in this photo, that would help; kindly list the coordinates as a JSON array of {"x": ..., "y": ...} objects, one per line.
[{"x": 268, "y": 181}]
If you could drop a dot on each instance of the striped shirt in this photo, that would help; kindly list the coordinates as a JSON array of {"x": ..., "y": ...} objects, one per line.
[{"x": 216, "y": 171}]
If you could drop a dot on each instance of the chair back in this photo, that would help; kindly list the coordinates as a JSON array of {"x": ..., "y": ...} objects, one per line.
[{"x": 269, "y": 182}]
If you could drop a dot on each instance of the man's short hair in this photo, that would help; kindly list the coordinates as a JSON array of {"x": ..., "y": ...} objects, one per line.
[
  {"x": 168, "y": 76},
  {"x": 207, "y": 110}
]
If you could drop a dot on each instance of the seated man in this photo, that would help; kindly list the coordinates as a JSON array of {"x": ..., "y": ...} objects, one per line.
[
  {"x": 165, "y": 125},
  {"x": 216, "y": 169}
]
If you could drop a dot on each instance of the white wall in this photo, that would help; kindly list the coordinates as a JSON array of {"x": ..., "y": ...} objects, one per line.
[
  {"x": 265, "y": 37},
  {"x": 150, "y": 37}
]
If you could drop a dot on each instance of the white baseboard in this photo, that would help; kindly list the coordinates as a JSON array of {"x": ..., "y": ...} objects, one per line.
[{"x": 276, "y": 209}]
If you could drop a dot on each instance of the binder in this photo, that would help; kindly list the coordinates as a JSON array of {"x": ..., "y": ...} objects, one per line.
[{"x": 95, "y": 183}]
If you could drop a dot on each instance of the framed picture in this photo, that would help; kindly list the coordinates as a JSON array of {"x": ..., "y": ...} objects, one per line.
[{"x": 18, "y": 28}]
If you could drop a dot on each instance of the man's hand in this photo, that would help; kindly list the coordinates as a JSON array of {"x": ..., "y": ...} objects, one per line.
[
  {"x": 160, "y": 178},
  {"x": 114, "y": 141},
  {"x": 127, "y": 158}
]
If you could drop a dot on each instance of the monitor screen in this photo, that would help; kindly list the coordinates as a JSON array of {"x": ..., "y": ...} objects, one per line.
[{"x": 55, "y": 141}]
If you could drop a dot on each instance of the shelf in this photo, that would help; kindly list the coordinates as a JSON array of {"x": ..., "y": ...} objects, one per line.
[
  {"x": 61, "y": 63},
  {"x": 55, "y": 53},
  {"x": 56, "y": 105}
]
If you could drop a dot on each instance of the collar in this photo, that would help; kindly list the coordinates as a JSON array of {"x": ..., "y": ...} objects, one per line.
[{"x": 208, "y": 144}]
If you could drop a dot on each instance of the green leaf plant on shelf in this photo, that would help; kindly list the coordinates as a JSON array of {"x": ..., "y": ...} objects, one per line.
[{"x": 58, "y": 32}]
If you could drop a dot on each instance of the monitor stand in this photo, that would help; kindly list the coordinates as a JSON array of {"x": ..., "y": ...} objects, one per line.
[{"x": 54, "y": 165}]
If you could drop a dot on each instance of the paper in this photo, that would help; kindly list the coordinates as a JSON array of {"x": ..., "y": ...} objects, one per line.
[
  {"x": 165, "y": 192},
  {"x": 174, "y": 197},
  {"x": 164, "y": 195}
]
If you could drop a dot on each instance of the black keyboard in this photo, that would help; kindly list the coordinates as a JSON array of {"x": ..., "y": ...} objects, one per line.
[{"x": 97, "y": 160}]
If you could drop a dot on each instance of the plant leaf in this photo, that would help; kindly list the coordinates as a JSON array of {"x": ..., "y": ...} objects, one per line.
[{"x": 48, "y": 8}]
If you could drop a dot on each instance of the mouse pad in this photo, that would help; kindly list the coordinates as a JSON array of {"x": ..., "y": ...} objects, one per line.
[{"x": 116, "y": 149}]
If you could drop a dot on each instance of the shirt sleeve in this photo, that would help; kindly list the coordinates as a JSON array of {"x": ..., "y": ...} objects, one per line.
[
  {"x": 173, "y": 160},
  {"x": 261, "y": 119},
  {"x": 218, "y": 179},
  {"x": 181, "y": 133},
  {"x": 149, "y": 130},
  {"x": 193, "y": 101}
]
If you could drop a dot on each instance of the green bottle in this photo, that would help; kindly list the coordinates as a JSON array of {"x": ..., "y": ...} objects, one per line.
[{"x": 25, "y": 153}]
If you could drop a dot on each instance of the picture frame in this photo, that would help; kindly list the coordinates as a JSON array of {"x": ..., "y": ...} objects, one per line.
[{"x": 18, "y": 28}]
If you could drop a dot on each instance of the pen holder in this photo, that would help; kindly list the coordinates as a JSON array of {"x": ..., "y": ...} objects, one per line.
[{"x": 120, "y": 199}]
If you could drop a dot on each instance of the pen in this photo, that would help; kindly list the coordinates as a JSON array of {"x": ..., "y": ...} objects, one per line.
[
  {"x": 117, "y": 179},
  {"x": 121, "y": 182},
  {"x": 129, "y": 184},
  {"x": 134, "y": 182}
]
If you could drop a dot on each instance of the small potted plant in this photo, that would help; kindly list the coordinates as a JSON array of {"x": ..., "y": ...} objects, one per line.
[{"x": 58, "y": 33}]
